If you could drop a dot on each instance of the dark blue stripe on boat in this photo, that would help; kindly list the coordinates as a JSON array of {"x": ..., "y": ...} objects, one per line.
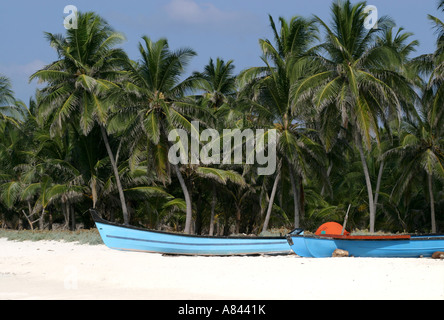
[
  {"x": 130, "y": 238},
  {"x": 198, "y": 244}
]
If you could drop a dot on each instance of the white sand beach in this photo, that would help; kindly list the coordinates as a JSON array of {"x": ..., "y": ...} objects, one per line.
[{"x": 58, "y": 270}]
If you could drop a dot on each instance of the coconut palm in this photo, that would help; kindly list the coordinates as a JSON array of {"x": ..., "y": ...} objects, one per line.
[
  {"x": 15, "y": 142},
  {"x": 399, "y": 43},
  {"x": 217, "y": 81},
  {"x": 82, "y": 84},
  {"x": 39, "y": 176},
  {"x": 421, "y": 143},
  {"x": 6, "y": 93},
  {"x": 270, "y": 86},
  {"x": 433, "y": 66},
  {"x": 11, "y": 110},
  {"x": 157, "y": 98},
  {"x": 421, "y": 151},
  {"x": 46, "y": 174},
  {"x": 11, "y": 141},
  {"x": 153, "y": 90},
  {"x": 356, "y": 76},
  {"x": 218, "y": 84}
]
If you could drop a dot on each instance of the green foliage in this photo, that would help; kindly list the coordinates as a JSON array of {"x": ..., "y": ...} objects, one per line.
[
  {"x": 91, "y": 237},
  {"x": 359, "y": 123}
]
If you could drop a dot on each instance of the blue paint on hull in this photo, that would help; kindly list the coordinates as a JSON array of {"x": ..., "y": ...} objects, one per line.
[
  {"x": 323, "y": 247},
  {"x": 136, "y": 239}
]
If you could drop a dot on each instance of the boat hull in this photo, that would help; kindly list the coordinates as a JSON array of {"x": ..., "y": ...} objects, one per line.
[
  {"x": 323, "y": 247},
  {"x": 130, "y": 238}
]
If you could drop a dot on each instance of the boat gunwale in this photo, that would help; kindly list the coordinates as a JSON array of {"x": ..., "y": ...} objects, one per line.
[
  {"x": 413, "y": 237},
  {"x": 98, "y": 219}
]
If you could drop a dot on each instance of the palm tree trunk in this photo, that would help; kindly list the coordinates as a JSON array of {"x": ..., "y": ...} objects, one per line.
[
  {"x": 432, "y": 204},
  {"x": 378, "y": 184},
  {"x": 238, "y": 219},
  {"x": 50, "y": 220},
  {"x": 31, "y": 212},
  {"x": 330, "y": 167},
  {"x": 295, "y": 199},
  {"x": 186, "y": 194},
  {"x": 94, "y": 191},
  {"x": 72, "y": 213},
  {"x": 270, "y": 203},
  {"x": 116, "y": 175},
  {"x": 42, "y": 219},
  {"x": 65, "y": 212},
  {"x": 369, "y": 185},
  {"x": 198, "y": 219},
  {"x": 213, "y": 207},
  {"x": 301, "y": 197}
]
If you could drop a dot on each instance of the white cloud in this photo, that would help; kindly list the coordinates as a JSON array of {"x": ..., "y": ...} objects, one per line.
[
  {"x": 20, "y": 70},
  {"x": 176, "y": 18},
  {"x": 188, "y": 11},
  {"x": 19, "y": 75}
]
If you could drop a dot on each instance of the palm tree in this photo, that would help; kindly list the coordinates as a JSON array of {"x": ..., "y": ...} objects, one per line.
[
  {"x": 421, "y": 135},
  {"x": 218, "y": 82},
  {"x": 10, "y": 156},
  {"x": 6, "y": 93},
  {"x": 11, "y": 110},
  {"x": 433, "y": 66},
  {"x": 400, "y": 44},
  {"x": 421, "y": 151},
  {"x": 356, "y": 76},
  {"x": 82, "y": 84},
  {"x": 15, "y": 142},
  {"x": 47, "y": 192},
  {"x": 270, "y": 86},
  {"x": 154, "y": 90},
  {"x": 158, "y": 99},
  {"x": 45, "y": 173}
]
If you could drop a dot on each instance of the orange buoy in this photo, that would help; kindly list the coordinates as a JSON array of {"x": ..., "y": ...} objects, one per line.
[{"x": 332, "y": 228}]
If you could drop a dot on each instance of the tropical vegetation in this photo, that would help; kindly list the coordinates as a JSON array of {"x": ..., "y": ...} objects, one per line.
[{"x": 358, "y": 118}]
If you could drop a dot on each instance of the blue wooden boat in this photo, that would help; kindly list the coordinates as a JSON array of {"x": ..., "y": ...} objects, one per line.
[
  {"x": 129, "y": 238},
  {"x": 397, "y": 246}
]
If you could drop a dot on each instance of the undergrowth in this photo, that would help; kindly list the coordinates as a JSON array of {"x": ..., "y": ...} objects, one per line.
[{"x": 91, "y": 237}]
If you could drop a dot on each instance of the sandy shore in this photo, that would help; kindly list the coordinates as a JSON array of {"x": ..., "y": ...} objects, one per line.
[{"x": 57, "y": 270}]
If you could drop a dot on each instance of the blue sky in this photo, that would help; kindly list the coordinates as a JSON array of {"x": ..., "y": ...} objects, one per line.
[{"x": 229, "y": 29}]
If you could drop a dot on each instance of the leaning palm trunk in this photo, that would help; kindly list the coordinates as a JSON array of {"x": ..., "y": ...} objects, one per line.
[
  {"x": 28, "y": 217},
  {"x": 94, "y": 191},
  {"x": 116, "y": 174},
  {"x": 432, "y": 203},
  {"x": 369, "y": 185},
  {"x": 378, "y": 185},
  {"x": 330, "y": 167},
  {"x": 213, "y": 207},
  {"x": 186, "y": 194},
  {"x": 270, "y": 203},
  {"x": 42, "y": 219},
  {"x": 65, "y": 211},
  {"x": 295, "y": 199},
  {"x": 72, "y": 213}
]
